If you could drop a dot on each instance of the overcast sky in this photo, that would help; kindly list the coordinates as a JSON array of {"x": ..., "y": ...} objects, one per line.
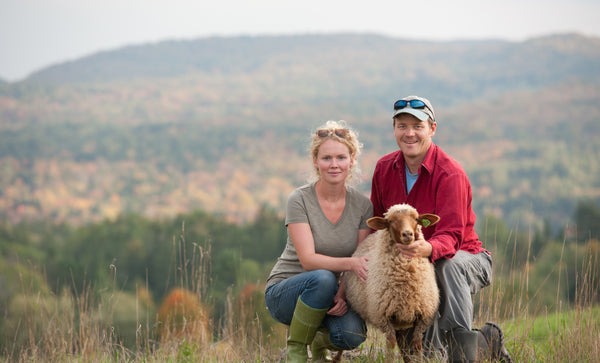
[{"x": 38, "y": 33}]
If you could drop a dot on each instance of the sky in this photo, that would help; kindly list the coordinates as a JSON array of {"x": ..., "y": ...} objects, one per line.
[{"x": 35, "y": 34}]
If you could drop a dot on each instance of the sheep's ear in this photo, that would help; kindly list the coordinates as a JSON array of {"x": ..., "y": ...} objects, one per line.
[
  {"x": 377, "y": 223},
  {"x": 427, "y": 219}
]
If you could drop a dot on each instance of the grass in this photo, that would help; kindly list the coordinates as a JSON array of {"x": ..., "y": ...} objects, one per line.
[
  {"x": 570, "y": 336},
  {"x": 71, "y": 327}
]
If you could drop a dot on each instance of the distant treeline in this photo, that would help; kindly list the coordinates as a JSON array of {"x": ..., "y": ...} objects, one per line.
[
  {"x": 133, "y": 251},
  {"x": 139, "y": 261}
]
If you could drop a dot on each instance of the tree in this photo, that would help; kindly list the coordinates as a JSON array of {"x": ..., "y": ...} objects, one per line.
[{"x": 587, "y": 220}]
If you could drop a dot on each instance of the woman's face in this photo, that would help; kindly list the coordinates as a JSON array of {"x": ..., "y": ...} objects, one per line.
[{"x": 333, "y": 162}]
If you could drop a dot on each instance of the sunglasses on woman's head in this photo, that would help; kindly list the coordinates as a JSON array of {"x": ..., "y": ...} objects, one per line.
[
  {"x": 338, "y": 132},
  {"x": 413, "y": 103}
]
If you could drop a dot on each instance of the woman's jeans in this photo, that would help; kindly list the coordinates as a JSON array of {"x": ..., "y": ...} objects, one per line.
[{"x": 317, "y": 289}]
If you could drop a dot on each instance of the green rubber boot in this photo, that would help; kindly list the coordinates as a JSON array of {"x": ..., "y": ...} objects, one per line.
[
  {"x": 321, "y": 346},
  {"x": 303, "y": 328}
]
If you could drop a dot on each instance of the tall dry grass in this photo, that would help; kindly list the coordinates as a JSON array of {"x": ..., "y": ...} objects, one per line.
[
  {"x": 538, "y": 328},
  {"x": 75, "y": 327}
]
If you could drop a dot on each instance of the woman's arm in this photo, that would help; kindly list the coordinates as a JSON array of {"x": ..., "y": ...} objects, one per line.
[
  {"x": 362, "y": 234},
  {"x": 304, "y": 244}
]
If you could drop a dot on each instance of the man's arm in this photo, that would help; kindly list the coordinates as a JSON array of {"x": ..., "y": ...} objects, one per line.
[
  {"x": 452, "y": 206},
  {"x": 375, "y": 193}
]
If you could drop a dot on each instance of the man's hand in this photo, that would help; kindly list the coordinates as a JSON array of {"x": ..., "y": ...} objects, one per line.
[{"x": 419, "y": 248}]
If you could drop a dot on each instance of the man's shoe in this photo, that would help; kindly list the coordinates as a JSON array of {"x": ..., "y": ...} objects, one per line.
[{"x": 494, "y": 338}]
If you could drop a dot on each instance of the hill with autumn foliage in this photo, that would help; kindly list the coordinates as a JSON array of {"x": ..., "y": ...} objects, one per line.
[
  {"x": 222, "y": 124},
  {"x": 132, "y": 177}
]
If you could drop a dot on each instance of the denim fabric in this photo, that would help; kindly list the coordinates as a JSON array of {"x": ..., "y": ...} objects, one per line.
[{"x": 316, "y": 289}]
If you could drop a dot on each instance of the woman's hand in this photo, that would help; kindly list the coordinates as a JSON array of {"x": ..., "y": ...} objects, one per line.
[
  {"x": 339, "y": 304},
  {"x": 360, "y": 267}
]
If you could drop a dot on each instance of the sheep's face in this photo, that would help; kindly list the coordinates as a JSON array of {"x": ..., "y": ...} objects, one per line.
[
  {"x": 403, "y": 227},
  {"x": 404, "y": 223}
]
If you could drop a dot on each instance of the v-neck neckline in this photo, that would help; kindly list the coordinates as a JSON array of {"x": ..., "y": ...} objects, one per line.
[{"x": 314, "y": 188}]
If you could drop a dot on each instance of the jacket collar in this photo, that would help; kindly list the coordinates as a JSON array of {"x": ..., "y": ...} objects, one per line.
[{"x": 428, "y": 163}]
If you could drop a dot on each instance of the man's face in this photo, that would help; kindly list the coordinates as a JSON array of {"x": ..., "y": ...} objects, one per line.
[{"x": 413, "y": 135}]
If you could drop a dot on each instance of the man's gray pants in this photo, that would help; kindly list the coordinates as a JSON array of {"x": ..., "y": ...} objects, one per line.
[{"x": 458, "y": 278}]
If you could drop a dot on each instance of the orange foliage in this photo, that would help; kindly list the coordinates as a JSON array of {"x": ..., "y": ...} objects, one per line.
[{"x": 182, "y": 315}]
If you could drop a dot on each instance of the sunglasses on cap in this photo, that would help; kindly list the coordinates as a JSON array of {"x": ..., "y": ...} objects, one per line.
[
  {"x": 338, "y": 132},
  {"x": 413, "y": 104}
]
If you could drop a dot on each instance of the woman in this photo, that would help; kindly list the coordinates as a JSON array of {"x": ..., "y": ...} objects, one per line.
[{"x": 325, "y": 220}]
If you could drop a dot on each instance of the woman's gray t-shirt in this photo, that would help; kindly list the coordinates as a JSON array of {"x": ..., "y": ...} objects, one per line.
[{"x": 335, "y": 240}]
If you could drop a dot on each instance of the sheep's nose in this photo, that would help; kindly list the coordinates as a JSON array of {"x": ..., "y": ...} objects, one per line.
[{"x": 407, "y": 234}]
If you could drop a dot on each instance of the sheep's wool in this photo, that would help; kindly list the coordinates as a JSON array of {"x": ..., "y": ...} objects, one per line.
[
  {"x": 399, "y": 293},
  {"x": 399, "y": 208}
]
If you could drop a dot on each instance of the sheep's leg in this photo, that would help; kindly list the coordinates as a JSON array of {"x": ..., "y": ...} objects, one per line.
[
  {"x": 417, "y": 337},
  {"x": 338, "y": 356},
  {"x": 402, "y": 336},
  {"x": 390, "y": 335}
]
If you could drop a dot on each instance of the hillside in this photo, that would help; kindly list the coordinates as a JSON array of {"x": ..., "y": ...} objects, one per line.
[{"x": 222, "y": 124}]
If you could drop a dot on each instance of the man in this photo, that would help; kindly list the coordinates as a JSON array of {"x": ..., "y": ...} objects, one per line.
[{"x": 424, "y": 176}]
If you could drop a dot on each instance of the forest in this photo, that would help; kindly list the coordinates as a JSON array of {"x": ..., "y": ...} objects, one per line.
[
  {"x": 222, "y": 124},
  {"x": 220, "y": 260},
  {"x": 132, "y": 172}
]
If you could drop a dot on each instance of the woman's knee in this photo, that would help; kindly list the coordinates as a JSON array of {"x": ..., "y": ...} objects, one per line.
[
  {"x": 319, "y": 289},
  {"x": 325, "y": 280}
]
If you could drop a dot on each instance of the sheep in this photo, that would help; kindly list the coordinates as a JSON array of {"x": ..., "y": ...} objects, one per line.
[{"x": 399, "y": 293}]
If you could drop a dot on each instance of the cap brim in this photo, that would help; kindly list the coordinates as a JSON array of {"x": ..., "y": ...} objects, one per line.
[{"x": 417, "y": 113}]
